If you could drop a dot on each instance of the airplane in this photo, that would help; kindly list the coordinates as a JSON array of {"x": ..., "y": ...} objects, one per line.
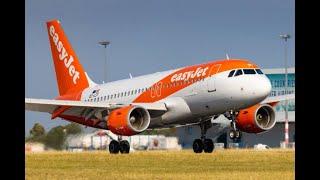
[{"x": 197, "y": 94}]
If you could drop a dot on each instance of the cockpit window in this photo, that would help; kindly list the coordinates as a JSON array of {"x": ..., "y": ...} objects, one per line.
[
  {"x": 249, "y": 71},
  {"x": 259, "y": 71},
  {"x": 239, "y": 72},
  {"x": 231, "y": 73}
]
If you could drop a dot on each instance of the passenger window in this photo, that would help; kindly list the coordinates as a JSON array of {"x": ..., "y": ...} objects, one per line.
[
  {"x": 259, "y": 71},
  {"x": 122, "y": 94},
  {"x": 249, "y": 71},
  {"x": 231, "y": 73},
  {"x": 239, "y": 72}
]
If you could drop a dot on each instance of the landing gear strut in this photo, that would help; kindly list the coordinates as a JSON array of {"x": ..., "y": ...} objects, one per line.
[
  {"x": 203, "y": 144},
  {"x": 234, "y": 133},
  {"x": 121, "y": 145}
]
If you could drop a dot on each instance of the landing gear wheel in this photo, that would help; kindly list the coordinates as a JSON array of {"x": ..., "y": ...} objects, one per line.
[
  {"x": 197, "y": 146},
  {"x": 238, "y": 135},
  {"x": 124, "y": 147},
  {"x": 114, "y": 147},
  {"x": 232, "y": 134},
  {"x": 208, "y": 145}
]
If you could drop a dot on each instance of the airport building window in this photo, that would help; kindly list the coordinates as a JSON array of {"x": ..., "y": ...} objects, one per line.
[
  {"x": 249, "y": 71},
  {"x": 231, "y": 73},
  {"x": 239, "y": 72}
]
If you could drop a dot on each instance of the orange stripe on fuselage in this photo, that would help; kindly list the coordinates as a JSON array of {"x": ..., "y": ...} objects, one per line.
[{"x": 187, "y": 76}]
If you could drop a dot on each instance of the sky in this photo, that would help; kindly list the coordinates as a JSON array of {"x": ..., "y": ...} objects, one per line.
[{"x": 148, "y": 36}]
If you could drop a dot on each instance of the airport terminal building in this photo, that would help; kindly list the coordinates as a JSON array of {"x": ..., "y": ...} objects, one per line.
[{"x": 272, "y": 138}]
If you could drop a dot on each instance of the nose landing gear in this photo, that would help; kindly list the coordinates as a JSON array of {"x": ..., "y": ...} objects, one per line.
[
  {"x": 234, "y": 133},
  {"x": 121, "y": 145},
  {"x": 203, "y": 144}
]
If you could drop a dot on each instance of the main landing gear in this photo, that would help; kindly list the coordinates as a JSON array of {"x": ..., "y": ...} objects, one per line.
[
  {"x": 203, "y": 144},
  {"x": 234, "y": 133},
  {"x": 121, "y": 145}
]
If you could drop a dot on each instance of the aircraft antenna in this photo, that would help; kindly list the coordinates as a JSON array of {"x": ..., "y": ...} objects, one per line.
[{"x": 227, "y": 56}]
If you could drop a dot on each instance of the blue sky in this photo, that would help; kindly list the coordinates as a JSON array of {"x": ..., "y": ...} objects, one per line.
[{"x": 152, "y": 35}]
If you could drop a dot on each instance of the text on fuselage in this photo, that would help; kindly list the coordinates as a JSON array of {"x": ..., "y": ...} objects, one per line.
[{"x": 185, "y": 76}]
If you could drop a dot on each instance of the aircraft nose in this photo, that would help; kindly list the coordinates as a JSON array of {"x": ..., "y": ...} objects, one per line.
[{"x": 262, "y": 88}]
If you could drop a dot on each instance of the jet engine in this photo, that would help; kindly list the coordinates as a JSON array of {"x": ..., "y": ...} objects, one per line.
[
  {"x": 256, "y": 119},
  {"x": 128, "y": 121}
]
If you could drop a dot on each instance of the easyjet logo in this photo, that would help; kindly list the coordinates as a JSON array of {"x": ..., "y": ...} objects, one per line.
[
  {"x": 63, "y": 55},
  {"x": 185, "y": 76}
]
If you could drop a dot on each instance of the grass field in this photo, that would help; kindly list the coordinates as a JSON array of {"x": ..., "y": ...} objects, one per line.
[{"x": 221, "y": 164}]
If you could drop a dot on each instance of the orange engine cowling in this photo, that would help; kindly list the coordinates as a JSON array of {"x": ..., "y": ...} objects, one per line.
[
  {"x": 129, "y": 120},
  {"x": 256, "y": 119}
]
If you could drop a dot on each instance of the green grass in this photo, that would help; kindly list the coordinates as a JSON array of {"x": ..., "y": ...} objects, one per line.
[{"x": 221, "y": 164}]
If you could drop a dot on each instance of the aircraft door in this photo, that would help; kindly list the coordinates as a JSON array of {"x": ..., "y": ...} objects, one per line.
[{"x": 210, "y": 82}]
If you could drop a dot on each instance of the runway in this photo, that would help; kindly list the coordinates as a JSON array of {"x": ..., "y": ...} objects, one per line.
[{"x": 221, "y": 164}]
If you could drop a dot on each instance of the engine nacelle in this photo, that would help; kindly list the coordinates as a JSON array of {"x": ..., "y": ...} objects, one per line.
[
  {"x": 256, "y": 119},
  {"x": 129, "y": 120}
]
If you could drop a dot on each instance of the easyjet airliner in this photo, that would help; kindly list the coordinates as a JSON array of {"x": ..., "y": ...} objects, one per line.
[{"x": 191, "y": 95}]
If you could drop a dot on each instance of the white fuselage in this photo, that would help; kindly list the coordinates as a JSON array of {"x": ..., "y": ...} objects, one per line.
[{"x": 202, "y": 98}]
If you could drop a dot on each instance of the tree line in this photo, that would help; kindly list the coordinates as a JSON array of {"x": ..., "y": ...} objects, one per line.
[{"x": 55, "y": 138}]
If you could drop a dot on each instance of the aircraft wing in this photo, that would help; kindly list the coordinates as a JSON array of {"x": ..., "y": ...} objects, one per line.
[
  {"x": 82, "y": 108},
  {"x": 275, "y": 99}
]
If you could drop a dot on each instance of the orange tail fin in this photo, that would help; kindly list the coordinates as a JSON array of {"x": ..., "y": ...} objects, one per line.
[{"x": 71, "y": 77}]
